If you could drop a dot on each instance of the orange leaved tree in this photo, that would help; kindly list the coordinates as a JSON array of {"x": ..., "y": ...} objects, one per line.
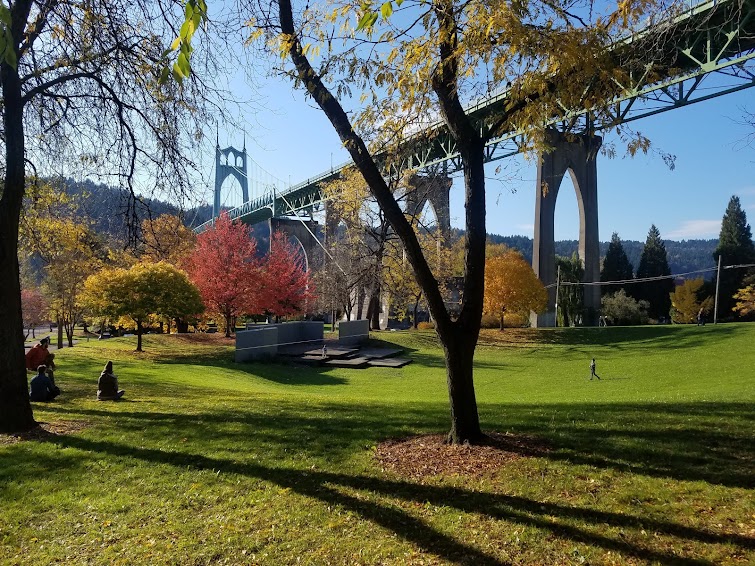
[{"x": 512, "y": 286}]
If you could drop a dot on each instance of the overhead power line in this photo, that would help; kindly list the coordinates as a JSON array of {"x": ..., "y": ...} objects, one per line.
[{"x": 647, "y": 279}]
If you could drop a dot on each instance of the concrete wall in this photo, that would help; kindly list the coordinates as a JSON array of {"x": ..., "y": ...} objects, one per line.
[
  {"x": 353, "y": 331},
  {"x": 300, "y": 331},
  {"x": 261, "y": 342}
]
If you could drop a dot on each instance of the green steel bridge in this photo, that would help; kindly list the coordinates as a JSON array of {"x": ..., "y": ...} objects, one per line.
[{"x": 708, "y": 51}]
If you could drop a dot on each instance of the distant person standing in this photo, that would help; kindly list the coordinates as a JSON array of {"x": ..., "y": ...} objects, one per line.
[
  {"x": 107, "y": 385},
  {"x": 701, "y": 317},
  {"x": 592, "y": 370}
]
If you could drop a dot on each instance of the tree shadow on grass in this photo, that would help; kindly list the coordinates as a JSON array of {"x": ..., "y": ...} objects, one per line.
[
  {"x": 287, "y": 373},
  {"x": 704, "y": 441},
  {"x": 711, "y": 442},
  {"x": 331, "y": 489},
  {"x": 666, "y": 336}
]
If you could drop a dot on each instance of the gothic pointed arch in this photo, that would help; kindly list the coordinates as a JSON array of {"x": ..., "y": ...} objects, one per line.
[
  {"x": 433, "y": 190},
  {"x": 577, "y": 156},
  {"x": 230, "y": 162}
]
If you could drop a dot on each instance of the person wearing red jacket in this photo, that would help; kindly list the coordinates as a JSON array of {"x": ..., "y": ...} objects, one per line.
[{"x": 40, "y": 356}]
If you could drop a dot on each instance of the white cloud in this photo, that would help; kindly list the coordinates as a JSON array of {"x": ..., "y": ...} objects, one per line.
[
  {"x": 526, "y": 228},
  {"x": 691, "y": 229}
]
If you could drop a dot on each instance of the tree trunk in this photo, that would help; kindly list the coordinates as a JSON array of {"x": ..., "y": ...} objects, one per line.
[
  {"x": 15, "y": 409},
  {"x": 458, "y": 337},
  {"x": 69, "y": 326},
  {"x": 373, "y": 311},
  {"x": 416, "y": 308},
  {"x": 228, "y": 318},
  {"x": 139, "y": 336},
  {"x": 360, "y": 303},
  {"x": 60, "y": 332},
  {"x": 465, "y": 423}
]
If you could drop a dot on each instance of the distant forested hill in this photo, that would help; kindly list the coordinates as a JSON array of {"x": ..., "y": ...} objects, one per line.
[
  {"x": 106, "y": 206},
  {"x": 683, "y": 257}
]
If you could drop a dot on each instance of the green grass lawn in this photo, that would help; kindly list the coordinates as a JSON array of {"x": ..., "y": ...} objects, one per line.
[{"x": 212, "y": 462}]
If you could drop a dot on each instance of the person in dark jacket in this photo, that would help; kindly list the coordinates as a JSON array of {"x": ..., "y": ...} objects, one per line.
[
  {"x": 107, "y": 386},
  {"x": 592, "y": 370},
  {"x": 42, "y": 387}
]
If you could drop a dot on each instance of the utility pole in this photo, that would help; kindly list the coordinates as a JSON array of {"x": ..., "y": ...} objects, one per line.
[
  {"x": 558, "y": 283},
  {"x": 718, "y": 282}
]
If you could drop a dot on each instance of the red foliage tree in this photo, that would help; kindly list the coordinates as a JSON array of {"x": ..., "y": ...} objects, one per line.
[
  {"x": 287, "y": 288},
  {"x": 225, "y": 269},
  {"x": 33, "y": 307}
]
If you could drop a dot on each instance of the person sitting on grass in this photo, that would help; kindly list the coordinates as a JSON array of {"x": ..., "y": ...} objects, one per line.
[
  {"x": 42, "y": 388},
  {"x": 107, "y": 386}
]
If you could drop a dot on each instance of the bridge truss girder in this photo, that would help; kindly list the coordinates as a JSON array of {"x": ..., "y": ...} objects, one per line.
[{"x": 714, "y": 56}]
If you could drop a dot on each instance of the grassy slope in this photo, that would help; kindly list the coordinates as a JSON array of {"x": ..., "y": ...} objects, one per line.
[{"x": 209, "y": 461}]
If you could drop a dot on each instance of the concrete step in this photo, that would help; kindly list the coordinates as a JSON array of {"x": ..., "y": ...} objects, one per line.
[
  {"x": 390, "y": 362},
  {"x": 348, "y": 362},
  {"x": 377, "y": 353},
  {"x": 335, "y": 353}
]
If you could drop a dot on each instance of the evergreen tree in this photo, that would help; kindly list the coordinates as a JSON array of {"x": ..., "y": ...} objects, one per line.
[
  {"x": 616, "y": 266},
  {"x": 735, "y": 248},
  {"x": 654, "y": 263},
  {"x": 571, "y": 303}
]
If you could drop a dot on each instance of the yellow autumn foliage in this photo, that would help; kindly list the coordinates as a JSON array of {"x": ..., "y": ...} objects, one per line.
[{"x": 511, "y": 286}]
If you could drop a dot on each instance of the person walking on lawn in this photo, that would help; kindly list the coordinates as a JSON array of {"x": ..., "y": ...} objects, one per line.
[{"x": 592, "y": 370}]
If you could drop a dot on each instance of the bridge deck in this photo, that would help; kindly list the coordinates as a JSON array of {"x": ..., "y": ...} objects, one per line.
[{"x": 714, "y": 37}]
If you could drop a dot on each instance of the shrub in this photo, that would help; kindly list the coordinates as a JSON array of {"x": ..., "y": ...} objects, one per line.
[
  {"x": 490, "y": 321},
  {"x": 425, "y": 326},
  {"x": 621, "y": 309}
]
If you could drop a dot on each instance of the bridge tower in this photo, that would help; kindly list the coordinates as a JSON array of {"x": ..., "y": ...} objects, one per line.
[
  {"x": 578, "y": 157},
  {"x": 230, "y": 162}
]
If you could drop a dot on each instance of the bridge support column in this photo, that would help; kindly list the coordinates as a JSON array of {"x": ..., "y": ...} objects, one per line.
[
  {"x": 295, "y": 230},
  {"x": 332, "y": 219},
  {"x": 434, "y": 189},
  {"x": 578, "y": 157}
]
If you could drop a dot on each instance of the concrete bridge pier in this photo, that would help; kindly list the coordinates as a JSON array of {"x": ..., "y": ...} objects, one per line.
[
  {"x": 578, "y": 156},
  {"x": 435, "y": 190},
  {"x": 297, "y": 232}
]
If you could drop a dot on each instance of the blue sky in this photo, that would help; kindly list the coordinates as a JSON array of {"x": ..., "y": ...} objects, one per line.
[{"x": 291, "y": 139}]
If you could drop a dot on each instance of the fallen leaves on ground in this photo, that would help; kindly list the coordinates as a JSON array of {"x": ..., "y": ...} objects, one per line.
[
  {"x": 423, "y": 456},
  {"x": 43, "y": 431}
]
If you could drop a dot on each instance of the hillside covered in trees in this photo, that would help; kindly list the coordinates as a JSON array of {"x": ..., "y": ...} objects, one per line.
[
  {"x": 106, "y": 207},
  {"x": 683, "y": 256}
]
